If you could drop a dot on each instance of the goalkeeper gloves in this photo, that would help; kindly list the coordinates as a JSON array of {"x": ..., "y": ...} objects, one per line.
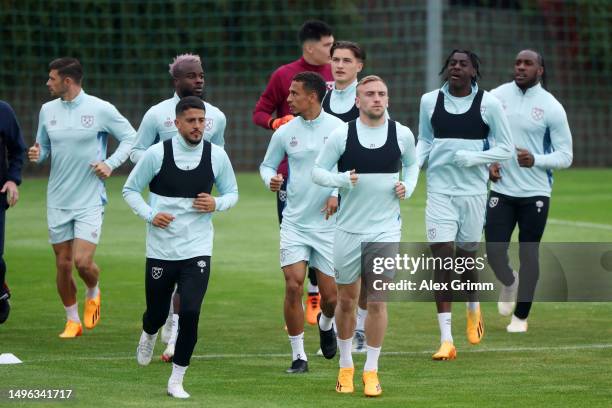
[{"x": 276, "y": 123}]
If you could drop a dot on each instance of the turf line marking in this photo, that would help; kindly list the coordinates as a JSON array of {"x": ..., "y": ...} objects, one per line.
[
  {"x": 284, "y": 355},
  {"x": 581, "y": 224}
]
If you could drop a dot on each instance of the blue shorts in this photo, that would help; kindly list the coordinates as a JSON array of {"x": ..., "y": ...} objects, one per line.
[
  {"x": 347, "y": 252},
  {"x": 83, "y": 223},
  {"x": 458, "y": 219},
  {"x": 314, "y": 247}
]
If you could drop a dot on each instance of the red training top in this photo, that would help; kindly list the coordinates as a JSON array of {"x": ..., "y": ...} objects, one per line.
[{"x": 274, "y": 98}]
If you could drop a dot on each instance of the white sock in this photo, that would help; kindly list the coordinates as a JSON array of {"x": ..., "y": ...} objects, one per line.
[
  {"x": 371, "y": 363},
  {"x": 312, "y": 288},
  {"x": 472, "y": 306},
  {"x": 297, "y": 347},
  {"x": 445, "y": 322},
  {"x": 92, "y": 293},
  {"x": 178, "y": 372},
  {"x": 175, "y": 328},
  {"x": 72, "y": 313},
  {"x": 361, "y": 317},
  {"x": 346, "y": 357},
  {"x": 325, "y": 323}
]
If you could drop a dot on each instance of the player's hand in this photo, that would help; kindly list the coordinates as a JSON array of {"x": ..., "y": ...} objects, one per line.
[
  {"x": 34, "y": 153},
  {"x": 494, "y": 172},
  {"x": 331, "y": 206},
  {"x": 354, "y": 177},
  {"x": 276, "y": 182},
  {"x": 524, "y": 157},
  {"x": 12, "y": 192},
  {"x": 278, "y": 122},
  {"x": 463, "y": 158},
  {"x": 400, "y": 190},
  {"x": 204, "y": 203},
  {"x": 102, "y": 170},
  {"x": 162, "y": 220}
]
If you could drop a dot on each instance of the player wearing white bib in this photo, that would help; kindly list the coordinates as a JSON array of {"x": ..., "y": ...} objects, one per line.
[
  {"x": 521, "y": 189},
  {"x": 73, "y": 131}
]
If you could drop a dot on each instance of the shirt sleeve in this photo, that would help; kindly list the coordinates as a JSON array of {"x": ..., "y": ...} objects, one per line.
[
  {"x": 323, "y": 172},
  {"x": 410, "y": 166},
  {"x": 145, "y": 137},
  {"x": 139, "y": 179},
  {"x": 15, "y": 146},
  {"x": 123, "y": 132},
  {"x": 225, "y": 180},
  {"x": 268, "y": 102},
  {"x": 42, "y": 138},
  {"x": 218, "y": 138},
  {"x": 274, "y": 155},
  {"x": 425, "y": 141},
  {"x": 561, "y": 140}
]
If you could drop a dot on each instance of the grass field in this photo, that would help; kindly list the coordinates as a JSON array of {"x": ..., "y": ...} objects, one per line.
[{"x": 239, "y": 361}]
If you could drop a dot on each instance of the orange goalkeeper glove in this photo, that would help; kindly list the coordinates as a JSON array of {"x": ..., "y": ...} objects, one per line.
[{"x": 276, "y": 123}]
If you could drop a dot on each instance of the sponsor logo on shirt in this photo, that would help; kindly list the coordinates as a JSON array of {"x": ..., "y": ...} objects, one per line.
[
  {"x": 431, "y": 233},
  {"x": 87, "y": 120},
  {"x": 53, "y": 122},
  {"x": 537, "y": 113},
  {"x": 169, "y": 122},
  {"x": 293, "y": 142},
  {"x": 208, "y": 124},
  {"x": 156, "y": 272}
]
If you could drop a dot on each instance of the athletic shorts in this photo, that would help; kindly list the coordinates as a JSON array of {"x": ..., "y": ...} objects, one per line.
[
  {"x": 83, "y": 223},
  {"x": 314, "y": 247},
  {"x": 458, "y": 219},
  {"x": 347, "y": 252}
]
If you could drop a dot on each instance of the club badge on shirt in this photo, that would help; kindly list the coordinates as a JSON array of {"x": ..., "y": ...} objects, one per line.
[
  {"x": 87, "y": 121},
  {"x": 208, "y": 124},
  {"x": 537, "y": 114}
]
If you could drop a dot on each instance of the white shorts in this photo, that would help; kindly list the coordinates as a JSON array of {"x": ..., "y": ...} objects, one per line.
[
  {"x": 458, "y": 219},
  {"x": 82, "y": 223},
  {"x": 347, "y": 252},
  {"x": 314, "y": 247}
]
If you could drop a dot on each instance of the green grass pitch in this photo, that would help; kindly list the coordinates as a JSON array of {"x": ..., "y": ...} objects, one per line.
[{"x": 239, "y": 361}]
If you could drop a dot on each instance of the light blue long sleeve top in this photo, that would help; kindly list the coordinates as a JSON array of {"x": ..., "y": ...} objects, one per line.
[
  {"x": 439, "y": 156},
  {"x": 301, "y": 140},
  {"x": 539, "y": 124},
  {"x": 75, "y": 135},
  {"x": 158, "y": 125},
  {"x": 191, "y": 233},
  {"x": 371, "y": 205}
]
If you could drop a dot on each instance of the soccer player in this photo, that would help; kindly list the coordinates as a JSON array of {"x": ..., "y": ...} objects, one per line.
[
  {"x": 180, "y": 173},
  {"x": 12, "y": 153},
  {"x": 347, "y": 59},
  {"x": 307, "y": 229},
  {"x": 73, "y": 130},
  {"x": 521, "y": 187},
  {"x": 369, "y": 153},
  {"x": 461, "y": 128},
  {"x": 316, "y": 39},
  {"x": 158, "y": 125}
]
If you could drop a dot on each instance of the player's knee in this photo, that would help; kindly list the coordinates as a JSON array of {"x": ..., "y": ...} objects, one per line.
[
  {"x": 188, "y": 320},
  {"x": 345, "y": 303},
  {"x": 64, "y": 266},
  {"x": 377, "y": 308},
  {"x": 293, "y": 289},
  {"x": 83, "y": 264}
]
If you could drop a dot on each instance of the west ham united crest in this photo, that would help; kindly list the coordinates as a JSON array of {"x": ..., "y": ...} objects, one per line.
[
  {"x": 493, "y": 201},
  {"x": 537, "y": 114},
  {"x": 87, "y": 121},
  {"x": 156, "y": 272},
  {"x": 208, "y": 124}
]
